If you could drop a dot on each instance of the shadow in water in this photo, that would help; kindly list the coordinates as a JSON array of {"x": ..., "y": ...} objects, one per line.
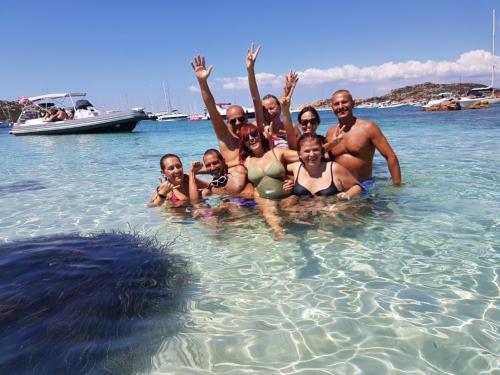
[
  {"x": 20, "y": 186},
  {"x": 97, "y": 304}
]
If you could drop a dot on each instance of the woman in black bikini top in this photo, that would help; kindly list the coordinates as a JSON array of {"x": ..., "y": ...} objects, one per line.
[{"x": 315, "y": 176}]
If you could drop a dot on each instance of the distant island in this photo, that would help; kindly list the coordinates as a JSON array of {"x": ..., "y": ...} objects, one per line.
[
  {"x": 422, "y": 92},
  {"x": 10, "y": 110}
]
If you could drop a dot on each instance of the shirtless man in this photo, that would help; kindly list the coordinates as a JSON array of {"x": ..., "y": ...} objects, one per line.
[
  {"x": 227, "y": 134},
  {"x": 360, "y": 138},
  {"x": 226, "y": 180}
]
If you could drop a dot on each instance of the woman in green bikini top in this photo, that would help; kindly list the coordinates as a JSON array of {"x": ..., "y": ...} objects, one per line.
[{"x": 266, "y": 166}]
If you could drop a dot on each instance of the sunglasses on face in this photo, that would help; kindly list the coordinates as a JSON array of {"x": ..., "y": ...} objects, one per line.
[
  {"x": 312, "y": 121},
  {"x": 240, "y": 119},
  {"x": 253, "y": 133},
  {"x": 218, "y": 182}
]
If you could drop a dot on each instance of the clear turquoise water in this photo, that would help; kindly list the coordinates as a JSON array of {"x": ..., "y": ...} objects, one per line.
[{"x": 404, "y": 281}]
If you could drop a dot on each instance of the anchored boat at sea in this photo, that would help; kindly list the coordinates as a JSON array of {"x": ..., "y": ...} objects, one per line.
[{"x": 83, "y": 117}]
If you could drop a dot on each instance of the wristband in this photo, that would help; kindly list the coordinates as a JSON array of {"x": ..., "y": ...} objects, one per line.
[{"x": 162, "y": 196}]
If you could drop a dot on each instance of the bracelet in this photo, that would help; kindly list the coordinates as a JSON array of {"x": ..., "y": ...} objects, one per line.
[{"x": 162, "y": 196}]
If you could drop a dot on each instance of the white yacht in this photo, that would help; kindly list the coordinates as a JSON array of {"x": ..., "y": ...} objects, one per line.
[
  {"x": 172, "y": 115},
  {"x": 479, "y": 94},
  {"x": 439, "y": 98},
  {"x": 82, "y": 116},
  {"x": 483, "y": 94}
]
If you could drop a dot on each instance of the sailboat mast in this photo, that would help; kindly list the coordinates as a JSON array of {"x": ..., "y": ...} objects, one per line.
[
  {"x": 493, "y": 66},
  {"x": 165, "y": 95}
]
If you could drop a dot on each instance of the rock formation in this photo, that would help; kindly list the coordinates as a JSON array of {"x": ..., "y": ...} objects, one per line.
[
  {"x": 447, "y": 105},
  {"x": 480, "y": 105}
]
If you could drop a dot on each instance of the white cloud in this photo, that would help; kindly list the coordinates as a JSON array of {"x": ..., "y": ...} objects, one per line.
[
  {"x": 193, "y": 88},
  {"x": 469, "y": 64}
]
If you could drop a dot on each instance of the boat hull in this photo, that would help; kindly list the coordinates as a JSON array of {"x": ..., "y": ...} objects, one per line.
[
  {"x": 467, "y": 102},
  {"x": 105, "y": 123}
]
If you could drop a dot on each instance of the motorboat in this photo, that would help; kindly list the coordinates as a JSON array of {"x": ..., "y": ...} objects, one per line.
[
  {"x": 483, "y": 94},
  {"x": 198, "y": 117},
  {"x": 223, "y": 107},
  {"x": 173, "y": 115},
  {"x": 439, "y": 98},
  {"x": 479, "y": 94},
  {"x": 391, "y": 105},
  {"x": 82, "y": 116}
]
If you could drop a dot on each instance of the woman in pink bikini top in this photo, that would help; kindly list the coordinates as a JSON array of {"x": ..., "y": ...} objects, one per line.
[{"x": 175, "y": 186}]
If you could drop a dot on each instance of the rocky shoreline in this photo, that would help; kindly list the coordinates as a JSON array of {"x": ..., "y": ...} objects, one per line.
[
  {"x": 9, "y": 111},
  {"x": 420, "y": 93}
]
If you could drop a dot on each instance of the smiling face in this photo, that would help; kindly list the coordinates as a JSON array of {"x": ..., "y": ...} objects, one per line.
[
  {"x": 310, "y": 152},
  {"x": 235, "y": 118},
  {"x": 342, "y": 105},
  {"x": 172, "y": 169},
  {"x": 272, "y": 109},
  {"x": 309, "y": 123},
  {"x": 215, "y": 166}
]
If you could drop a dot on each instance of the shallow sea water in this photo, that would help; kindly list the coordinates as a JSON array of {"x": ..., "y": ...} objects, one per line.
[{"x": 405, "y": 281}]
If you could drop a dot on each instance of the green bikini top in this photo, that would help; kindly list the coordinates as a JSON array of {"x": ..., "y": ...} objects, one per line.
[{"x": 269, "y": 183}]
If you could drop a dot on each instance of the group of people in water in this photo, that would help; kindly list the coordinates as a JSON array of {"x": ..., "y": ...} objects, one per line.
[{"x": 272, "y": 159}]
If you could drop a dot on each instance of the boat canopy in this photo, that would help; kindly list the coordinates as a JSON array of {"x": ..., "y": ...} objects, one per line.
[
  {"x": 56, "y": 96},
  {"x": 486, "y": 88}
]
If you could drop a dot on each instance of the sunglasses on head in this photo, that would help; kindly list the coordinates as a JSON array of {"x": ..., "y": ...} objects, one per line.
[
  {"x": 312, "y": 121},
  {"x": 240, "y": 119},
  {"x": 218, "y": 182},
  {"x": 253, "y": 133}
]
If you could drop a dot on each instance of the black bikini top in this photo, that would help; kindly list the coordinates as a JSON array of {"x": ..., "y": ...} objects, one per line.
[{"x": 298, "y": 189}]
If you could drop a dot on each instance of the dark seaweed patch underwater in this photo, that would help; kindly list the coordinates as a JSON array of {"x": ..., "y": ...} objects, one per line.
[{"x": 93, "y": 304}]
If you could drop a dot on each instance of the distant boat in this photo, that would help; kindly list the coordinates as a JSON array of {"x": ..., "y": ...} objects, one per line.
[
  {"x": 198, "y": 117},
  {"x": 391, "y": 105},
  {"x": 483, "y": 94},
  {"x": 439, "y": 98},
  {"x": 83, "y": 117},
  {"x": 6, "y": 124},
  {"x": 170, "y": 114},
  {"x": 173, "y": 115},
  {"x": 223, "y": 107}
]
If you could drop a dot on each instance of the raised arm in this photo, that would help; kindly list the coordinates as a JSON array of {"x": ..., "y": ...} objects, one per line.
[
  {"x": 194, "y": 192},
  {"x": 221, "y": 131},
  {"x": 292, "y": 134},
  {"x": 252, "y": 54},
  {"x": 380, "y": 142},
  {"x": 287, "y": 156}
]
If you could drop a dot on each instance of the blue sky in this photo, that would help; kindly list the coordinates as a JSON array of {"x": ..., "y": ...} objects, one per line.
[{"x": 120, "y": 52}]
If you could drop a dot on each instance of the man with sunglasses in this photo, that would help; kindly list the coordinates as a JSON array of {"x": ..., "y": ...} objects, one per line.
[
  {"x": 226, "y": 180},
  {"x": 359, "y": 140},
  {"x": 227, "y": 135}
]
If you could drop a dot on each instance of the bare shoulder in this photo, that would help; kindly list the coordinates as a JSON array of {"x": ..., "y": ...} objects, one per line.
[
  {"x": 239, "y": 168},
  {"x": 368, "y": 126}
]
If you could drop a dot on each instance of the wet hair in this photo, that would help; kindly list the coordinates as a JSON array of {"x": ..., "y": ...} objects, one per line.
[
  {"x": 308, "y": 137},
  {"x": 311, "y": 109},
  {"x": 271, "y": 96},
  {"x": 214, "y": 151},
  {"x": 343, "y": 91},
  {"x": 166, "y": 156},
  {"x": 245, "y": 130}
]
